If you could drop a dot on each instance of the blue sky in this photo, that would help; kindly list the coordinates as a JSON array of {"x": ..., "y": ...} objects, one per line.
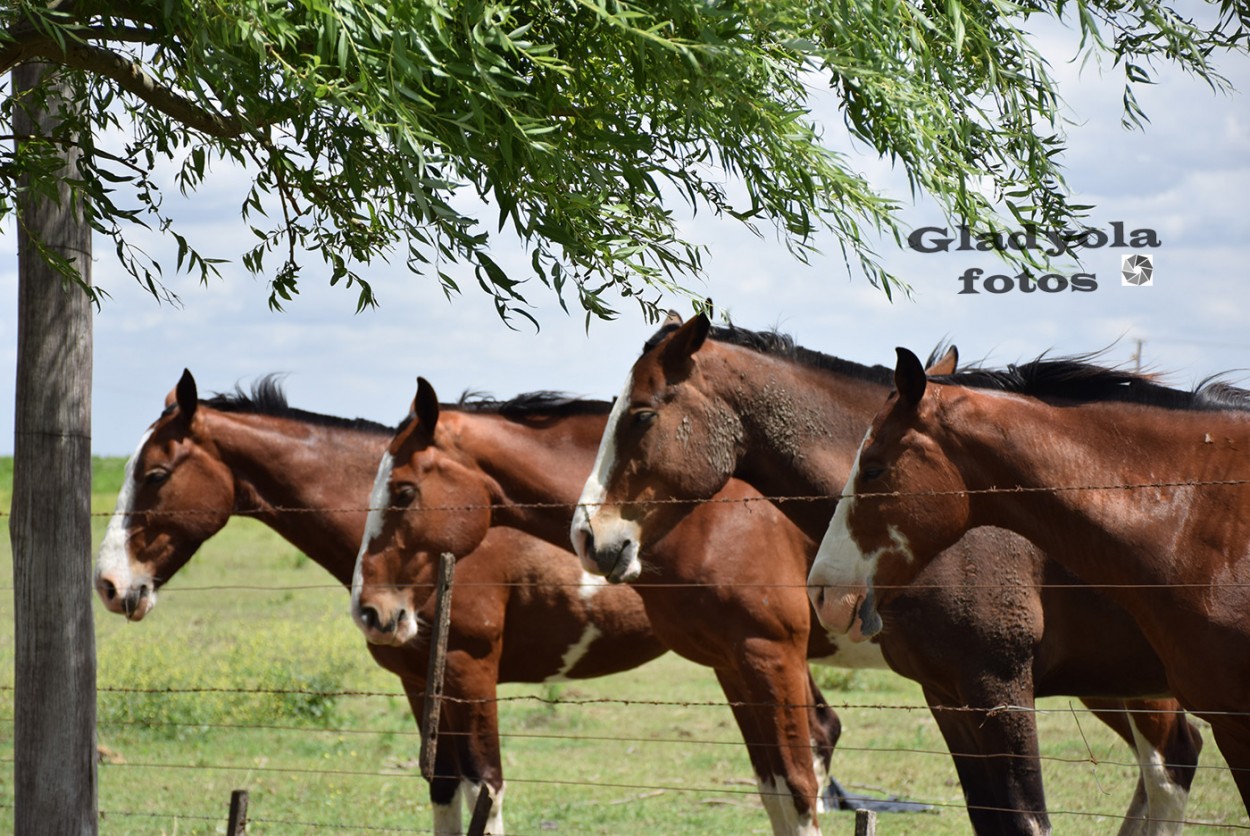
[{"x": 1186, "y": 178}]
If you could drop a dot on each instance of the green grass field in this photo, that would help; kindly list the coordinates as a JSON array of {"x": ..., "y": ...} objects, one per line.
[{"x": 249, "y": 612}]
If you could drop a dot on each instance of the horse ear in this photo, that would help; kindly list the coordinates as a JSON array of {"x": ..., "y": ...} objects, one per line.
[
  {"x": 683, "y": 343},
  {"x": 909, "y": 377},
  {"x": 425, "y": 405},
  {"x": 672, "y": 318},
  {"x": 185, "y": 394},
  {"x": 946, "y": 364}
]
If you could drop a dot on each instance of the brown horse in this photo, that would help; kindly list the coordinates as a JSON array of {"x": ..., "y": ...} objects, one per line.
[
  {"x": 454, "y": 472},
  {"x": 991, "y": 622},
  {"x": 299, "y": 472},
  {"x": 1141, "y": 490}
]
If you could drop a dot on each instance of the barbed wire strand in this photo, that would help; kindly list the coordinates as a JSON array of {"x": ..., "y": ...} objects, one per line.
[
  {"x": 615, "y": 785},
  {"x": 1016, "y": 489}
]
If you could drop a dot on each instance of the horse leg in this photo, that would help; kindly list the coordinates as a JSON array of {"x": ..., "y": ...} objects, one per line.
[
  {"x": 476, "y": 735},
  {"x": 771, "y": 688},
  {"x": 997, "y": 759},
  {"x": 445, "y": 795},
  {"x": 1167, "y": 745},
  {"x": 1232, "y": 735},
  {"x": 826, "y": 728}
]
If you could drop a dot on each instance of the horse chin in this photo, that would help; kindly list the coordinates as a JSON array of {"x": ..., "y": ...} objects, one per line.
[
  {"x": 145, "y": 607},
  {"x": 627, "y": 569},
  {"x": 621, "y": 566},
  {"x": 867, "y": 621}
]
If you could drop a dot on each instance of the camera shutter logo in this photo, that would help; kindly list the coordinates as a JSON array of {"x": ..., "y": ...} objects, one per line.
[{"x": 1137, "y": 270}]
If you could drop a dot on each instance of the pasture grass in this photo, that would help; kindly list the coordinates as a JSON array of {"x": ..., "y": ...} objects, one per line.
[{"x": 249, "y": 613}]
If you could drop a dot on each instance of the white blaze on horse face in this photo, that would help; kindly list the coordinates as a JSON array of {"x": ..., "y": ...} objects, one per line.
[
  {"x": 598, "y": 531},
  {"x": 840, "y": 583},
  {"x": 379, "y": 498},
  {"x": 113, "y": 562},
  {"x": 840, "y": 574}
]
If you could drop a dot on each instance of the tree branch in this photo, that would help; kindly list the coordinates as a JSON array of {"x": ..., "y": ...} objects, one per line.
[{"x": 131, "y": 77}]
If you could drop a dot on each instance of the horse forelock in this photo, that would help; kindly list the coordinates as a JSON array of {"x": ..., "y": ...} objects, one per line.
[{"x": 1081, "y": 379}]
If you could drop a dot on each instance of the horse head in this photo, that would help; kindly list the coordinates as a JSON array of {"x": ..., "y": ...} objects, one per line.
[
  {"x": 904, "y": 502},
  {"x": 668, "y": 443},
  {"x": 425, "y": 501},
  {"x": 175, "y": 494}
]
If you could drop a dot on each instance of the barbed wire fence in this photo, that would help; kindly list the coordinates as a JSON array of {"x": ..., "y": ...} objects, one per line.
[{"x": 437, "y": 697}]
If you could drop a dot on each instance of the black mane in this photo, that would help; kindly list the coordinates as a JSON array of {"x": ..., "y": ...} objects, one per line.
[
  {"x": 267, "y": 398},
  {"x": 530, "y": 405},
  {"x": 776, "y": 344},
  {"x": 1082, "y": 380},
  {"x": 526, "y": 408}
]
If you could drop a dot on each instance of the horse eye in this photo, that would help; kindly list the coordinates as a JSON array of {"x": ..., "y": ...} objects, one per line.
[
  {"x": 872, "y": 472},
  {"x": 644, "y": 417},
  {"x": 403, "y": 495},
  {"x": 155, "y": 476}
]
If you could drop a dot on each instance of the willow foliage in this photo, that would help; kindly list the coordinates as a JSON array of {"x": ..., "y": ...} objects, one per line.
[{"x": 576, "y": 122}]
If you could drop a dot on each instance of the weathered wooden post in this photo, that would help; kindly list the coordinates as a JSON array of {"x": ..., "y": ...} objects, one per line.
[
  {"x": 54, "y": 769},
  {"x": 237, "y": 824},
  {"x": 437, "y": 664}
]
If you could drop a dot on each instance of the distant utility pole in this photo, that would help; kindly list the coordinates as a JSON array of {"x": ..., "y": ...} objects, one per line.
[
  {"x": 54, "y": 769},
  {"x": 1136, "y": 358}
]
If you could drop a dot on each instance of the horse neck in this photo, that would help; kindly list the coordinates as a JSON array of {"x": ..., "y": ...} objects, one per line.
[
  {"x": 1102, "y": 535},
  {"x": 531, "y": 464},
  {"x": 802, "y": 425},
  {"x": 298, "y": 478}
]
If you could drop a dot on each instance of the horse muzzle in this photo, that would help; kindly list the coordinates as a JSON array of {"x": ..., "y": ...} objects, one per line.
[
  {"x": 133, "y": 599},
  {"x": 391, "y": 626},
  {"x": 612, "y": 553}
]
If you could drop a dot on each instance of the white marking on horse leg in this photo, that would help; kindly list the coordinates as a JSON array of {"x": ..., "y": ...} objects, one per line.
[
  {"x": 1165, "y": 800},
  {"x": 447, "y": 820},
  {"x": 470, "y": 791},
  {"x": 576, "y": 652},
  {"x": 822, "y": 775},
  {"x": 782, "y": 812},
  {"x": 379, "y": 497}
]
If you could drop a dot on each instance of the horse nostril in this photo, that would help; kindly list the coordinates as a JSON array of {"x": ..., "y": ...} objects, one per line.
[
  {"x": 143, "y": 591},
  {"x": 369, "y": 618},
  {"x": 590, "y": 541},
  {"x": 108, "y": 588}
]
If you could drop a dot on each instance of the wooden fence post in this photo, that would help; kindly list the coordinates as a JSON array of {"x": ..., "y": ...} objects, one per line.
[
  {"x": 54, "y": 695},
  {"x": 437, "y": 664},
  {"x": 481, "y": 812},
  {"x": 237, "y": 825},
  {"x": 865, "y": 823}
]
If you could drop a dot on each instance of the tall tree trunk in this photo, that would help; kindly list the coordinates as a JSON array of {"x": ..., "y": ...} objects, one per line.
[{"x": 50, "y": 526}]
